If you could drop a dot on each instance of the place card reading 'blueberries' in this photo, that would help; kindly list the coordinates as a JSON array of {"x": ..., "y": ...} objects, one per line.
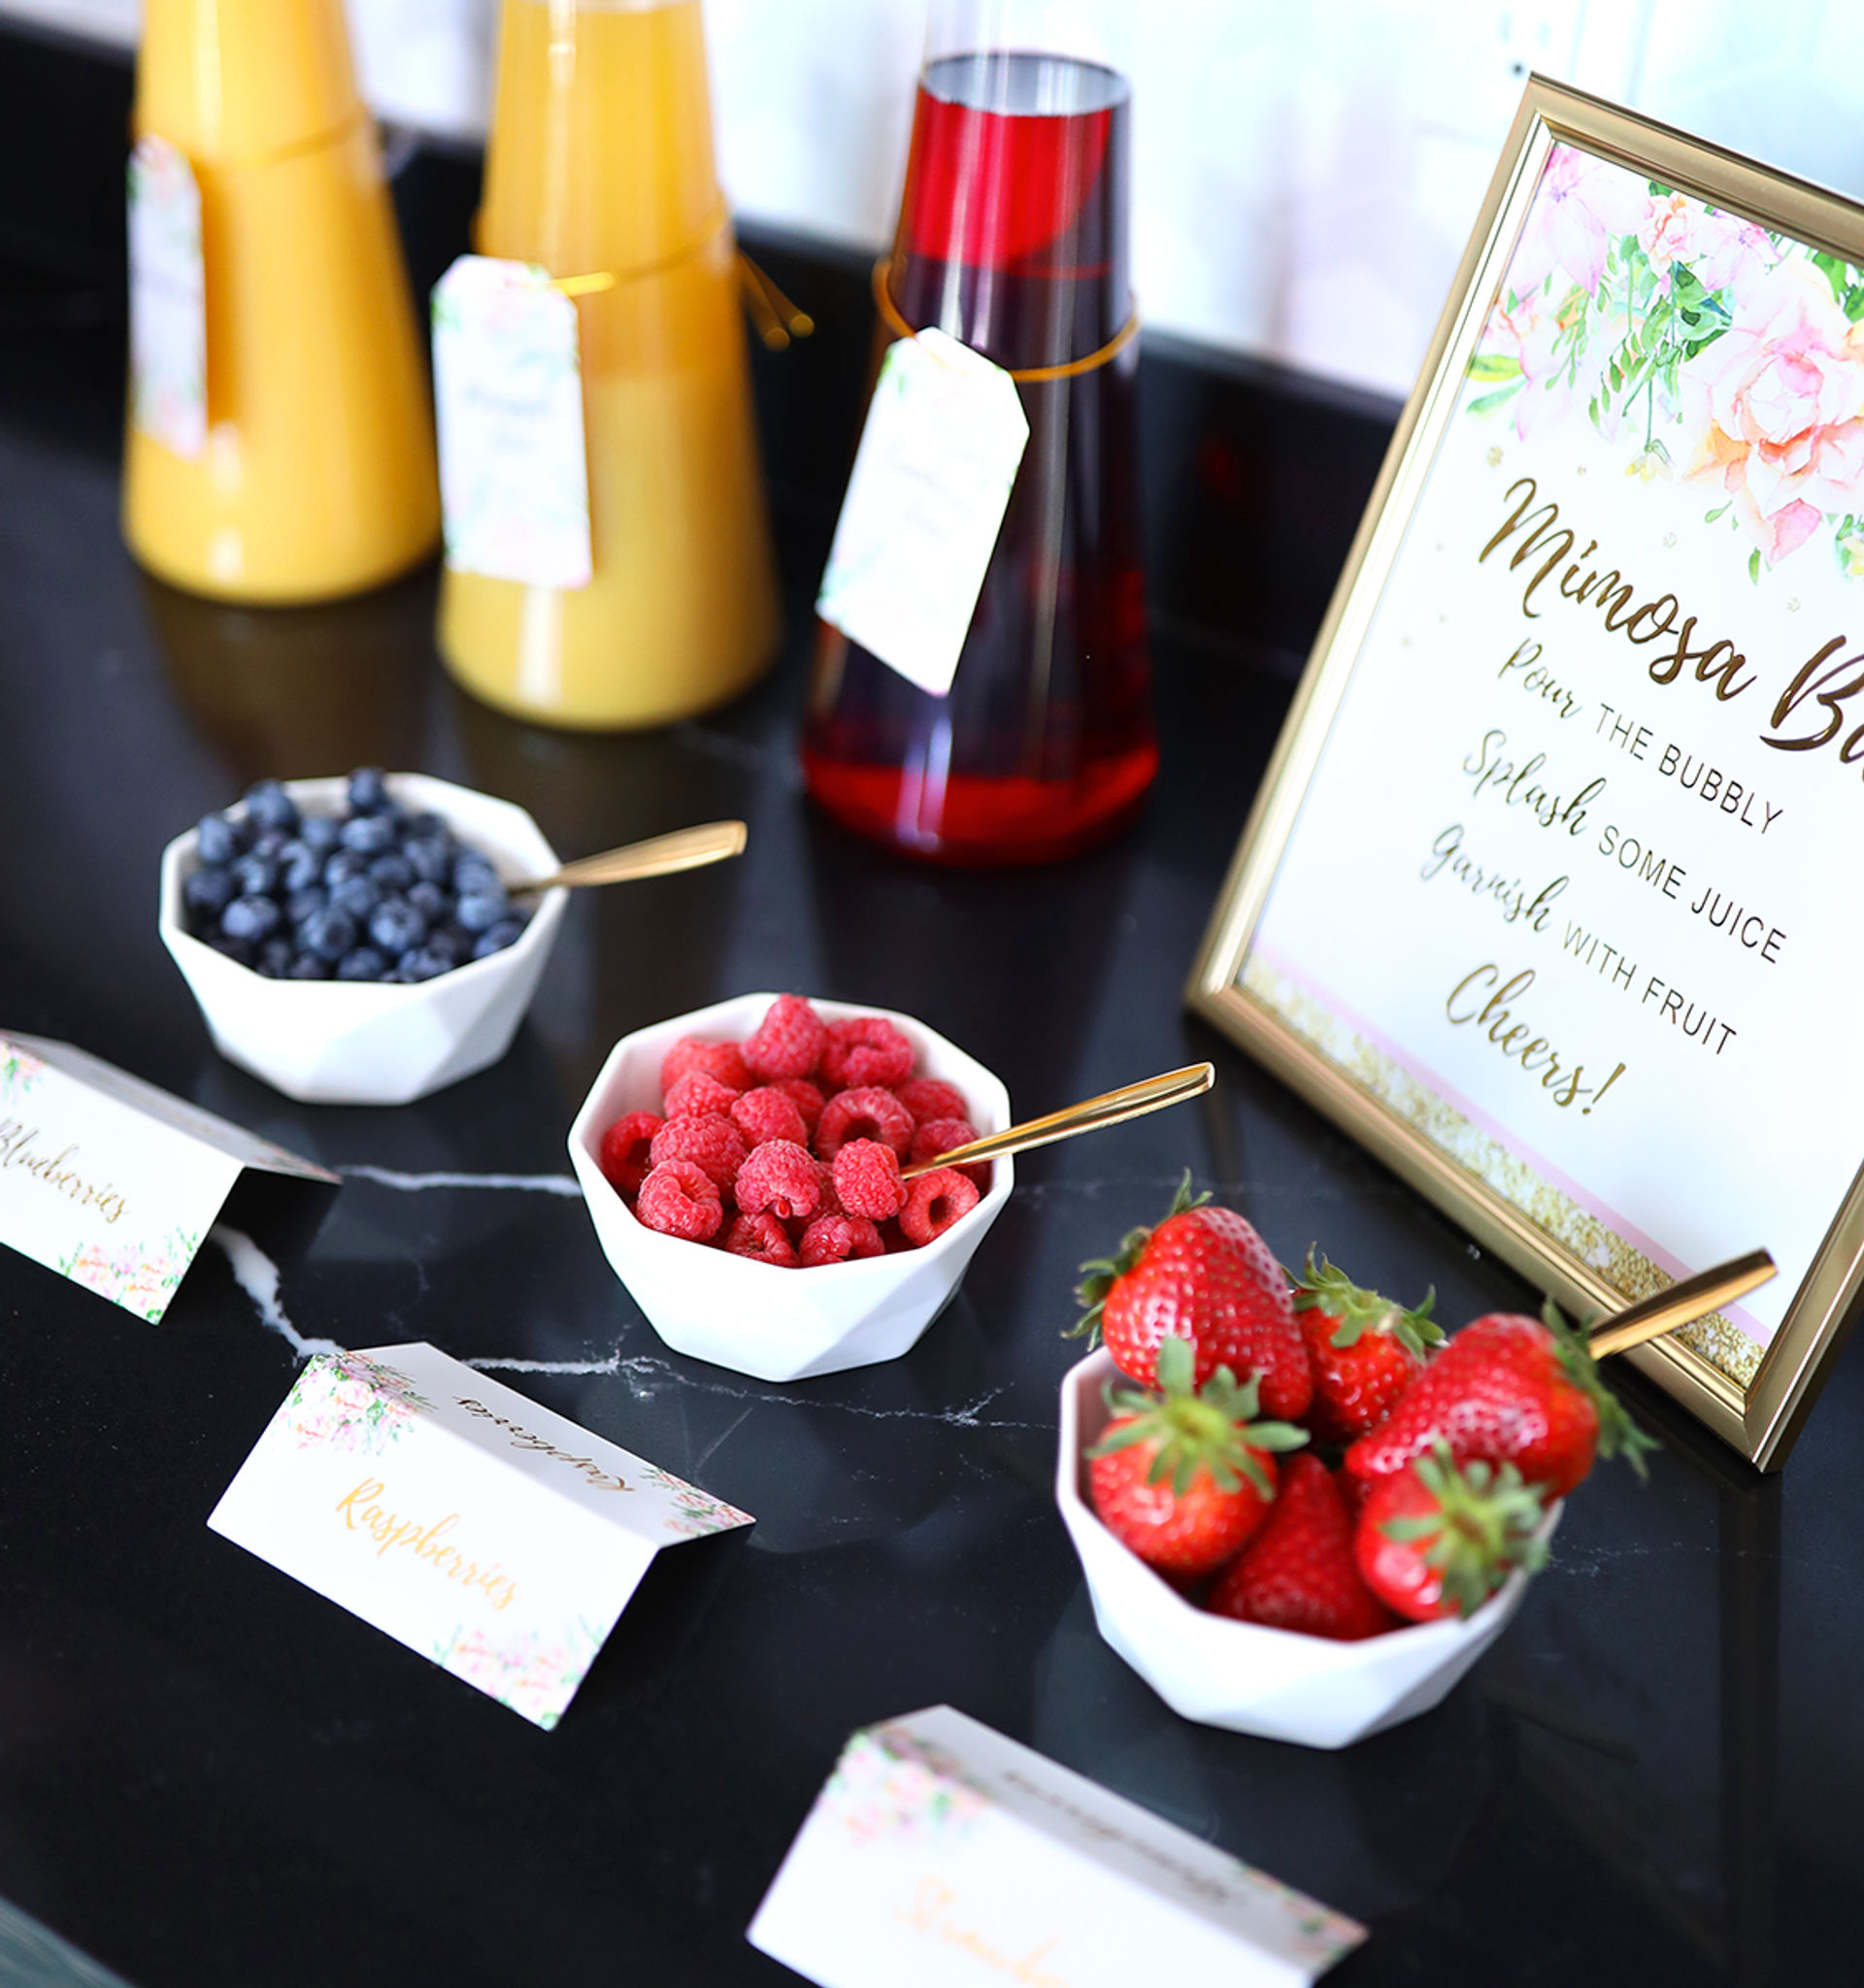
[
  {"x": 111, "y": 1182},
  {"x": 492, "y": 1537}
]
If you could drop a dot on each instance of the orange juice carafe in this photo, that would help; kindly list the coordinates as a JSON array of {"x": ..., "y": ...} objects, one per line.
[
  {"x": 600, "y": 168},
  {"x": 316, "y": 474}
]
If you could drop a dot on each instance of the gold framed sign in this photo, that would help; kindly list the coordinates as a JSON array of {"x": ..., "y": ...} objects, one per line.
[{"x": 1549, "y": 894}]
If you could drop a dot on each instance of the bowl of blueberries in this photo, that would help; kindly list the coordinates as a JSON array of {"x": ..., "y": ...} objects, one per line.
[{"x": 352, "y": 941}]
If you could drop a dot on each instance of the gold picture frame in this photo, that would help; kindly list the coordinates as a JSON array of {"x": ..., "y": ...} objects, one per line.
[{"x": 1759, "y": 1411}]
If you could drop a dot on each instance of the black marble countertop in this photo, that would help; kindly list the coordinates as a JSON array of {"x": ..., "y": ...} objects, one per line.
[{"x": 209, "y": 1776}]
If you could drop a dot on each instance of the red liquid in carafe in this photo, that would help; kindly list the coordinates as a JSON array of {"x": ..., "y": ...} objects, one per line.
[{"x": 1013, "y": 238}]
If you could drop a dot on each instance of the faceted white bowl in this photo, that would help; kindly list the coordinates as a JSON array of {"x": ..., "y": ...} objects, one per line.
[
  {"x": 1276, "y": 1684},
  {"x": 778, "y": 1324},
  {"x": 355, "y": 1042}
]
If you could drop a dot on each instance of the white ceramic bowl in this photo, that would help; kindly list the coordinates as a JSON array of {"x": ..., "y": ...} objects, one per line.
[
  {"x": 355, "y": 1042},
  {"x": 778, "y": 1324},
  {"x": 1273, "y": 1682}
]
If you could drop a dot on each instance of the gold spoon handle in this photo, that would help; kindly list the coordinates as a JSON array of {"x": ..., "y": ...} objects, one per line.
[
  {"x": 1130, "y": 1101},
  {"x": 1707, "y": 1291},
  {"x": 686, "y": 848}
]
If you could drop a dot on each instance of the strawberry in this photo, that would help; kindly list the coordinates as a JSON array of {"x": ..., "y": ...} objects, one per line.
[
  {"x": 1364, "y": 1349},
  {"x": 1438, "y": 1537},
  {"x": 1205, "y": 1275},
  {"x": 1184, "y": 1477},
  {"x": 1508, "y": 1389},
  {"x": 1298, "y": 1572}
]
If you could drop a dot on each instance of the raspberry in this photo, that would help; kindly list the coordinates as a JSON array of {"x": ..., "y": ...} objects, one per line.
[
  {"x": 931, "y": 1097},
  {"x": 623, "y": 1153},
  {"x": 869, "y": 1050},
  {"x": 934, "y": 1202},
  {"x": 804, "y": 1095},
  {"x": 723, "y": 1060},
  {"x": 868, "y": 1112},
  {"x": 834, "y": 1239},
  {"x": 788, "y": 1042},
  {"x": 700, "y": 1095},
  {"x": 940, "y": 1136},
  {"x": 763, "y": 1238},
  {"x": 867, "y": 1177},
  {"x": 679, "y": 1199},
  {"x": 779, "y": 1176},
  {"x": 831, "y": 1202},
  {"x": 764, "y": 1115},
  {"x": 713, "y": 1143}
]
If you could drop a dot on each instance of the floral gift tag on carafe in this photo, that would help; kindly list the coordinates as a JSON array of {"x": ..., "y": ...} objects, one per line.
[
  {"x": 932, "y": 478},
  {"x": 167, "y": 299},
  {"x": 508, "y": 395}
]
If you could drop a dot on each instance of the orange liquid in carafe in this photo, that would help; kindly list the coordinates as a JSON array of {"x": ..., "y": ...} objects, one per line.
[{"x": 601, "y": 161}]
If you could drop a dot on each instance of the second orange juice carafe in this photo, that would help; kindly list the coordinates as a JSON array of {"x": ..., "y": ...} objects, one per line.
[
  {"x": 316, "y": 478},
  {"x": 600, "y": 167}
]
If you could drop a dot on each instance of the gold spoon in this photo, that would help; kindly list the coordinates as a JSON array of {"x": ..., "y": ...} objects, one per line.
[
  {"x": 1130, "y": 1101},
  {"x": 1709, "y": 1290},
  {"x": 686, "y": 848}
]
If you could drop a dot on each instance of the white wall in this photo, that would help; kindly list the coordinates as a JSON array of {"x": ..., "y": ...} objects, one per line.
[{"x": 1304, "y": 174}]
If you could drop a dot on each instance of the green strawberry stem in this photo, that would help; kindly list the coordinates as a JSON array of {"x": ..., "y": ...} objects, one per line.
[
  {"x": 1486, "y": 1522},
  {"x": 1323, "y": 1286},
  {"x": 1211, "y": 1428},
  {"x": 1102, "y": 1273},
  {"x": 1619, "y": 1434}
]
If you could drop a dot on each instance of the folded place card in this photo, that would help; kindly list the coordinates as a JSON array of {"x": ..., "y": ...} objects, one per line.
[
  {"x": 111, "y": 1182},
  {"x": 464, "y": 1519},
  {"x": 940, "y": 1852}
]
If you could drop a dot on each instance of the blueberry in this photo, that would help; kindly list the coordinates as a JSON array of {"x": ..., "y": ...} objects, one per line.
[
  {"x": 431, "y": 857},
  {"x": 271, "y": 843},
  {"x": 320, "y": 832},
  {"x": 479, "y": 911},
  {"x": 255, "y": 875},
  {"x": 369, "y": 834},
  {"x": 429, "y": 900},
  {"x": 364, "y": 963},
  {"x": 329, "y": 934},
  {"x": 422, "y": 963},
  {"x": 368, "y": 791},
  {"x": 271, "y": 807},
  {"x": 303, "y": 904},
  {"x": 496, "y": 938},
  {"x": 427, "y": 825},
  {"x": 356, "y": 895},
  {"x": 395, "y": 926},
  {"x": 208, "y": 891},
  {"x": 218, "y": 840},
  {"x": 274, "y": 958},
  {"x": 472, "y": 874},
  {"x": 446, "y": 944},
  {"x": 393, "y": 872},
  {"x": 238, "y": 949},
  {"x": 299, "y": 866},
  {"x": 250, "y": 917},
  {"x": 344, "y": 865},
  {"x": 307, "y": 965}
]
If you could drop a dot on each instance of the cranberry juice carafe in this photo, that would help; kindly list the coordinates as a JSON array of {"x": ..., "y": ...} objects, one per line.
[{"x": 1013, "y": 238}]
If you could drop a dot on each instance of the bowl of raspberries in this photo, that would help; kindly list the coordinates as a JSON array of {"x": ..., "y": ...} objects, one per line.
[
  {"x": 742, "y": 1167},
  {"x": 1301, "y": 1510},
  {"x": 351, "y": 939}
]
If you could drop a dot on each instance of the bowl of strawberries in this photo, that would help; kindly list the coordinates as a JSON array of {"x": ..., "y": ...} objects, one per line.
[
  {"x": 1302, "y": 1511},
  {"x": 743, "y": 1166}
]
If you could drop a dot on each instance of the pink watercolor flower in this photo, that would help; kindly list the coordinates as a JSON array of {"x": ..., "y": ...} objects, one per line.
[
  {"x": 1777, "y": 405},
  {"x": 1581, "y": 207},
  {"x": 1721, "y": 250},
  {"x": 1527, "y": 334}
]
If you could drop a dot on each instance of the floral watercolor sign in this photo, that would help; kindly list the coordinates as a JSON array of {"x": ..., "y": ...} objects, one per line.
[
  {"x": 488, "y": 1534},
  {"x": 1543, "y": 906},
  {"x": 167, "y": 298}
]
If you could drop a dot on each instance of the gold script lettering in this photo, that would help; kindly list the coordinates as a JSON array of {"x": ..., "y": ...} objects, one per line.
[
  {"x": 362, "y": 1512},
  {"x": 929, "y": 1914}
]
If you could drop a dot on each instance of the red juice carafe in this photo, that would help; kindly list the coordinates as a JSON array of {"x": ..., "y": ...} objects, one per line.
[{"x": 1013, "y": 238}]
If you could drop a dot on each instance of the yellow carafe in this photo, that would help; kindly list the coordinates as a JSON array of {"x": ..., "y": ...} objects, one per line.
[
  {"x": 318, "y": 474},
  {"x": 600, "y": 166}
]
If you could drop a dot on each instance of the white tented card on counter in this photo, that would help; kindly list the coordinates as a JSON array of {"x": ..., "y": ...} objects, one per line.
[
  {"x": 942, "y": 1854},
  {"x": 508, "y": 402},
  {"x": 932, "y": 478},
  {"x": 490, "y": 1535},
  {"x": 167, "y": 299},
  {"x": 111, "y": 1182}
]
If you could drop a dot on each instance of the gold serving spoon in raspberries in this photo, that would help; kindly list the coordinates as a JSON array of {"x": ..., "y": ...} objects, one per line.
[{"x": 661, "y": 855}]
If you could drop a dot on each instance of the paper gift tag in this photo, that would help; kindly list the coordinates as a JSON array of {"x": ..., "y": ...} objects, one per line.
[
  {"x": 932, "y": 478},
  {"x": 167, "y": 299},
  {"x": 942, "y": 1854},
  {"x": 464, "y": 1519},
  {"x": 508, "y": 399},
  {"x": 111, "y": 1182}
]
